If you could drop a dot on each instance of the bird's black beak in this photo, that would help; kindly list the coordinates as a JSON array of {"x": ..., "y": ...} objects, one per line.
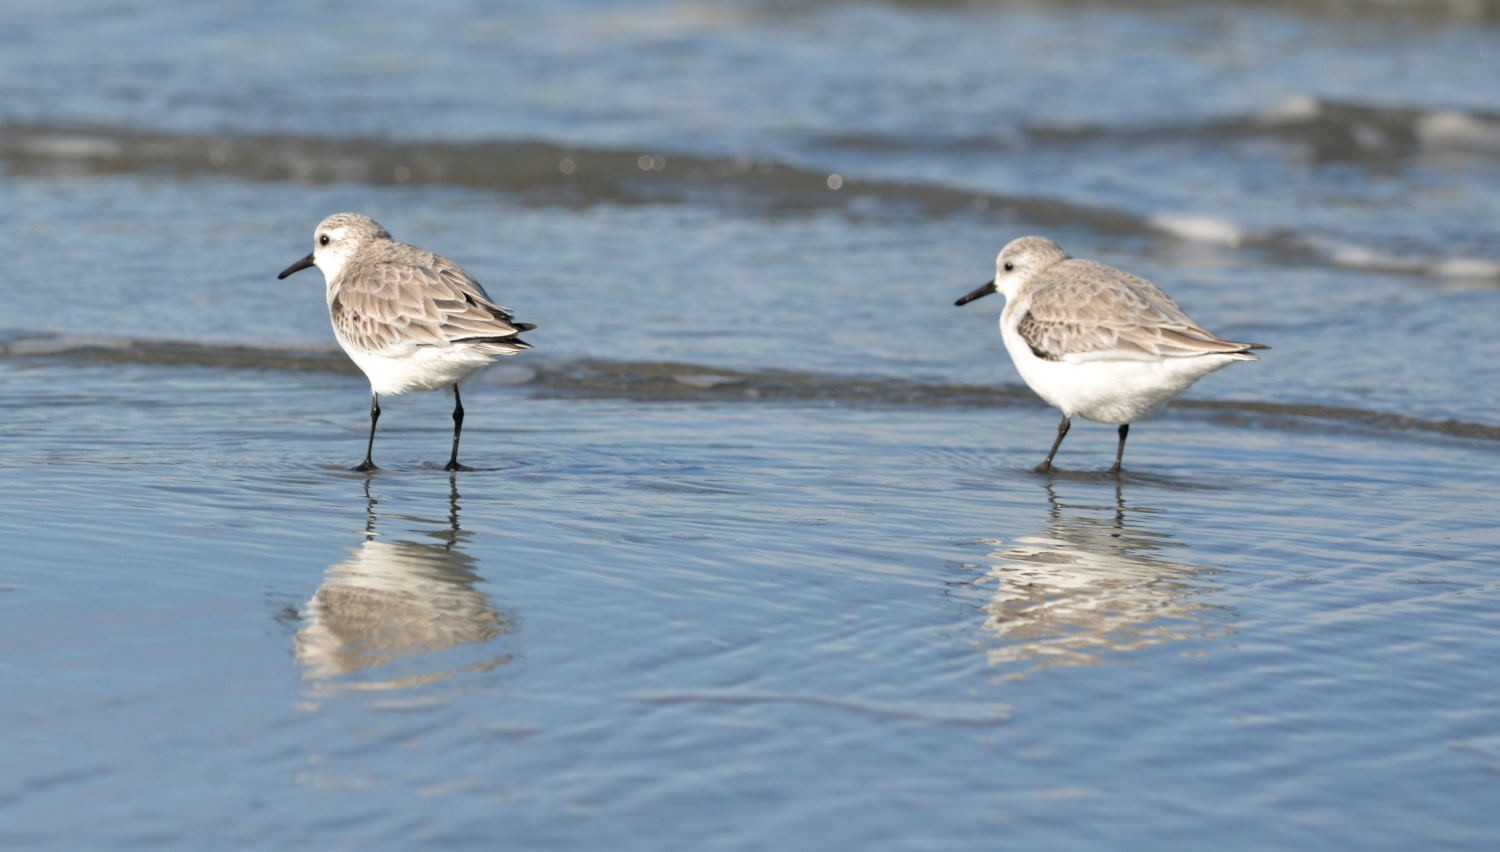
[
  {"x": 297, "y": 267},
  {"x": 980, "y": 293}
]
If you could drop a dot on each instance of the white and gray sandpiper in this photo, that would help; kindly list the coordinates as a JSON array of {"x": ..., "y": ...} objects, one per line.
[
  {"x": 1097, "y": 341},
  {"x": 410, "y": 319}
]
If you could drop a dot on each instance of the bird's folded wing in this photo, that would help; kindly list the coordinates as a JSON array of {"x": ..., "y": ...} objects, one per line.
[
  {"x": 393, "y": 304},
  {"x": 1098, "y": 312}
]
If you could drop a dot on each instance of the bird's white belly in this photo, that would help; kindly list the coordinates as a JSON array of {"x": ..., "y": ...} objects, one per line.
[
  {"x": 407, "y": 368},
  {"x": 1109, "y": 391}
]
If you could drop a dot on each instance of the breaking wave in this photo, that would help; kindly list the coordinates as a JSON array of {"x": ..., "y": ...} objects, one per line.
[{"x": 549, "y": 173}]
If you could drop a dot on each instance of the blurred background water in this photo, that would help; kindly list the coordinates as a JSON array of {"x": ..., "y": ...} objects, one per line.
[{"x": 755, "y": 557}]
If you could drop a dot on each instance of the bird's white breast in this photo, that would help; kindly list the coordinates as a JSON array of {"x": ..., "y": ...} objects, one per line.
[{"x": 415, "y": 367}]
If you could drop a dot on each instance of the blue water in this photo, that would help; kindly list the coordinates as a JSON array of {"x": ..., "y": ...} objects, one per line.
[
  {"x": 755, "y": 633},
  {"x": 754, "y": 556}
]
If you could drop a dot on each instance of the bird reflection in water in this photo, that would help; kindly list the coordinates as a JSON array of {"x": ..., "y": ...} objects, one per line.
[
  {"x": 1096, "y": 583},
  {"x": 392, "y": 600}
]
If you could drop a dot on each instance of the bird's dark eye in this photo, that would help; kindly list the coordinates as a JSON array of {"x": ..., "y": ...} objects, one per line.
[
  {"x": 1009, "y": 267},
  {"x": 323, "y": 240}
]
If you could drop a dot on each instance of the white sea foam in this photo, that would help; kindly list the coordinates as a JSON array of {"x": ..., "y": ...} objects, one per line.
[
  {"x": 1458, "y": 131},
  {"x": 68, "y": 146},
  {"x": 1297, "y": 108},
  {"x": 1363, "y": 257},
  {"x": 1468, "y": 267},
  {"x": 1199, "y": 229}
]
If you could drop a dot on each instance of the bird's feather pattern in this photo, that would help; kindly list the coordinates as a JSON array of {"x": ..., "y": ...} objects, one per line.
[
  {"x": 396, "y": 296},
  {"x": 1083, "y": 310}
]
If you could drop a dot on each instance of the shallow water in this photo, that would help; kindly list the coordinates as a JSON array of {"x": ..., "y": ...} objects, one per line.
[
  {"x": 756, "y": 620},
  {"x": 754, "y": 555}
]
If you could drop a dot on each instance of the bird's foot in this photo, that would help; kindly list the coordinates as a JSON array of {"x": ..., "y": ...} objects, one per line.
[
  {"x": 1115, "y": 468},
  {"x": 1044, "y": 467},
  {"x": 454, "y": 464},
  {"x": 365, "y": 466}
]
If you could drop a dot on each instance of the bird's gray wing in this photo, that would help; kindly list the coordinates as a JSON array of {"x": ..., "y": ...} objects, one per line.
[
  {"x": 1082, "y": 311},
  {"x": 394, "y": 302}
]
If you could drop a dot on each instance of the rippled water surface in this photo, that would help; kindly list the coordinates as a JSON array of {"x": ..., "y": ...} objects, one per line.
[{"x": 754, "y": 556}]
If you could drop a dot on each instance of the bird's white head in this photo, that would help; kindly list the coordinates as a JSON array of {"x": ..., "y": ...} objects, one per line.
[
  {"x": 337, "y": 239},
  {"x": 1020, "y": 261}
]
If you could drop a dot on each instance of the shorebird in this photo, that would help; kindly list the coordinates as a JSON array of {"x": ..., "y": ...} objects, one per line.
[
  {"x": 1097, "y": 341},
  {"x": 410, "y": 319}
]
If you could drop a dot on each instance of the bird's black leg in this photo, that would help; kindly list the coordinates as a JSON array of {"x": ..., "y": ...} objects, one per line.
[
  {"x": 366, "y": 466},
  {"x": 1120, "y": 453},
  {"x": 458, "y": 427},
  {"x": 1062, "y": 432}
]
